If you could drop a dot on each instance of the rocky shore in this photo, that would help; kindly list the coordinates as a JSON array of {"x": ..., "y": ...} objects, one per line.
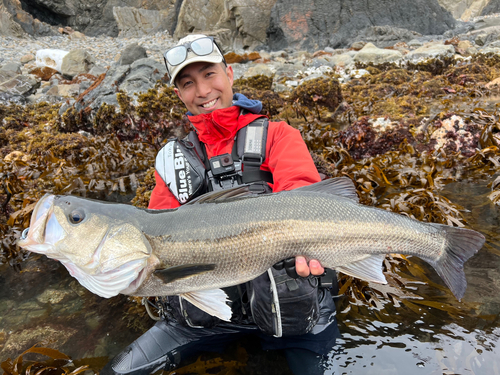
[{"x": 134, "y": 65}]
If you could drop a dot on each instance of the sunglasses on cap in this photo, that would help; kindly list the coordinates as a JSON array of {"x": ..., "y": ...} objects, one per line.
[{"x": 201, "y": 47}]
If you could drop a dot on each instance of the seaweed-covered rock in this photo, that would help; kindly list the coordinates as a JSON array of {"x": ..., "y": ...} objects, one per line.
[{"x": 319, "y": 91}]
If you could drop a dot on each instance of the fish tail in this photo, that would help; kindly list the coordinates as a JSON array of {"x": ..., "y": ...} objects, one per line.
[{"x": 461, "y": 245}]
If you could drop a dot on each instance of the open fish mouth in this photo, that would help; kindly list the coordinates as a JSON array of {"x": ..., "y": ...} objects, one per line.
[{"x": 44, "y": 231}]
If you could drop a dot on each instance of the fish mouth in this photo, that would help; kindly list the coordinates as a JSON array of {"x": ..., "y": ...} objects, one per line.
[{"x": 44, "y": 231}]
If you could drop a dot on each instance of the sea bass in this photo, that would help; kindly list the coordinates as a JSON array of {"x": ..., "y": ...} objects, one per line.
[{"x": 230, "y": 237}]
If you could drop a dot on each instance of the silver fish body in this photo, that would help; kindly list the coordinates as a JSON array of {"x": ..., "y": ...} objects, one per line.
[{"x": 226, "y": 239}]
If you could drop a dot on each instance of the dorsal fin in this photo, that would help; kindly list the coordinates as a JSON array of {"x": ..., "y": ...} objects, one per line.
[
  {"x": 242, "y": 191},
  {"x": 342, "y": 186}
]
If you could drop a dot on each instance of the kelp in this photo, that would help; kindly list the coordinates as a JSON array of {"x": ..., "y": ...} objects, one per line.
[{"x": 59, "y": 363}]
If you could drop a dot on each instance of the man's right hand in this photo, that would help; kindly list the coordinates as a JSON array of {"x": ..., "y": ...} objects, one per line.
[{"x": 298, "y": 267}]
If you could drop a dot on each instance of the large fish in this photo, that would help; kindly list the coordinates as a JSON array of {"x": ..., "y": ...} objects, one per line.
[{"x": 231, "y": 237}]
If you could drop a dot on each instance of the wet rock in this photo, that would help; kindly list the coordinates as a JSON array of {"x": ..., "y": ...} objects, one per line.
[
  {"x": 76, "y": 62},
  {"x": 18, "y": 341},
  {"x": 131, "y": 53},
  {"x": 431, "y": 51},
  {"x": 133, "y": 22},
  {"x": 370, "y": 53}
]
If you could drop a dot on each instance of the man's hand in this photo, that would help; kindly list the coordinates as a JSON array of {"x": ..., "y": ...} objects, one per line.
[
  {"x": 298, "y": 266},
  {"x": 303, "y": 269}
]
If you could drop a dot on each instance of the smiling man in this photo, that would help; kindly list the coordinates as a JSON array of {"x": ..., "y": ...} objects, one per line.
[{"x": 290, "y": 307}]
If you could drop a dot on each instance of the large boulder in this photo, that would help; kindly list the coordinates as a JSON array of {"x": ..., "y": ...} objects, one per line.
[
  {"x": 133, "y": 22},
  {"x": 8, "y": 27},
  {"x": 316, "y": 24},
  {"x": 132, "y": 53},
  {"x": 93, "y": 18},
  {"x": 492, "y": 7},
  {"x": 247, "y": 20},
  {"x": 28, "y": 22}
]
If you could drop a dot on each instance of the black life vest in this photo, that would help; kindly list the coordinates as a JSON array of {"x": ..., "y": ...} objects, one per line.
[{"x": 188, "y": 172}]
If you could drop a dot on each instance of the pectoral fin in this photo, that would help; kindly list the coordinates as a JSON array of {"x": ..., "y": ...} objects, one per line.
[
  {"x": 170, "y": 274},
  {"x": 213, "y": 302},
  {"x": 368, "y": 269}
]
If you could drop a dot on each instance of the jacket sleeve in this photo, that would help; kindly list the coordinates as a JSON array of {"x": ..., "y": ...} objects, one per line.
[
  {"x": 161, "y": 197},
  {"x": 288, "y": 158}
]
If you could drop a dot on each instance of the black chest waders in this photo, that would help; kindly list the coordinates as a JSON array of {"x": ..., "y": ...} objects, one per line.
[{"x": 278, "y": 304}]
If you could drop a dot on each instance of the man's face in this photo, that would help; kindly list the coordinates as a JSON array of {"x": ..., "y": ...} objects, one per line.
[{"x": 204, "y": 87}]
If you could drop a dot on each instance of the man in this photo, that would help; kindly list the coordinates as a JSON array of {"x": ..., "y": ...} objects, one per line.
[{"x": 305, "y": 325}]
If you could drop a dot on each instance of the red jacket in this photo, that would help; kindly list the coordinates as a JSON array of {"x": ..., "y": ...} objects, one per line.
[{"x": 287, "y": 157}]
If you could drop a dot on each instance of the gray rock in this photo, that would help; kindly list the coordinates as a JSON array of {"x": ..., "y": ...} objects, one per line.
[
  {"x": 8, "y": 27},
  {"x": 415, "y": 43},
  {"x": 131, "y": 53},
  {"x": 489, "y": 49},
  {"x": 385, "y": 36},
  {"x": 317, "y": 23},
  {"x": 12, "y": 67},
  {"x": 13, "y": 84},
  {"x": 263, "y": 69},
  {"x": 97, "y": 70},
  {"x": 133, "y": 22},
  {"x": 343, "y": 60},
  {"x": 358, "y": 45},
  {"x": 246, "y": 20},
  {"x": 76, "y": 62},
  {"x": 492, "y": 7},
  {"x": 431, "y": 51},
  {"x": 370, "y": 53},
  {"x": 143, "y": 75},
  {"x": 109, "y": 86}
]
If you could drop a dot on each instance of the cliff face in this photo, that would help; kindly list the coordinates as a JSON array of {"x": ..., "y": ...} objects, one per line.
[
  {"x": 313, "y": 24},
  {"x": 241, "y": 24}
]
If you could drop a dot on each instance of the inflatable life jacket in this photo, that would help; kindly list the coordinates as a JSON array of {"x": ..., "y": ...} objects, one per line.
[{"x": 186, "y": 170}]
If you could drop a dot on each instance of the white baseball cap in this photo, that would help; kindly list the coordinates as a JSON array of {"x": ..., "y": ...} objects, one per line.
[{"x": 190, "y": 49}]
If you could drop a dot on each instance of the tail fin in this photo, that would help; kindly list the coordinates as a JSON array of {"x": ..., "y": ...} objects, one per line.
[{"x": 461, "y": 245}]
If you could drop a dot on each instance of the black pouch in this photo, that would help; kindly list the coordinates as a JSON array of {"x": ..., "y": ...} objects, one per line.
[
  {"x": 282, "y": 306},
  {"x": 189, "y": 315}
]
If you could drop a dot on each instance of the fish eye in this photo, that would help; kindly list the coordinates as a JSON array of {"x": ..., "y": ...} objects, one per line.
[{"x": 76, "y": 216}]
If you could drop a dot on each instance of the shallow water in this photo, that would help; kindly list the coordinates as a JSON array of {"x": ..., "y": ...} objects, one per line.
[{"x": 44, "y": 302}]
